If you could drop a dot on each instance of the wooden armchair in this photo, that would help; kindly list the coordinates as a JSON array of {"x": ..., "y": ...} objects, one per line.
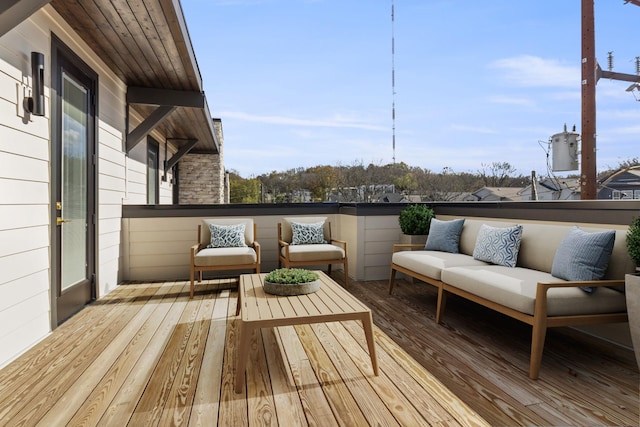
[
  {"x": 305, "y": 241},
  {"x": 232, "y": 247}
]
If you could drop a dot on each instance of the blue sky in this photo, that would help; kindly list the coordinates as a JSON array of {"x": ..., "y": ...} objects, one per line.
[{"x": 300, "y": 83}]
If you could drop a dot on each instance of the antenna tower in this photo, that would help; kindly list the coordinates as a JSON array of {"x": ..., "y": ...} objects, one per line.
[{"x": 393, "y": 84}]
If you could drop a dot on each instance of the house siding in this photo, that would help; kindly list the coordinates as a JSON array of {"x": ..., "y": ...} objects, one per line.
[{"x": 25, "y": 164}]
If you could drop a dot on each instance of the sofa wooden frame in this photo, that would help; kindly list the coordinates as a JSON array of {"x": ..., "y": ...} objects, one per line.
[{"x": 540, "y": 320}]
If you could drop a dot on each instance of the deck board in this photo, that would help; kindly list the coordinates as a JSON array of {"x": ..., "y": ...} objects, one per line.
[{"x": 148, "y": 355}]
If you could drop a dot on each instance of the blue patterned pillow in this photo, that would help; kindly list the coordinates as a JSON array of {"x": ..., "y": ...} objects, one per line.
[
  {"x": 498, "y": 245},
  {"x": 583, "y": 256},
  {"x": 227, "y": 236},
  {"x": 444, "y": 236},
  {"x": 307, "y": 234}
]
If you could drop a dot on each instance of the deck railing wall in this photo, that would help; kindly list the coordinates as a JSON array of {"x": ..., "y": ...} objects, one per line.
[{"x": 156, "y": 239}]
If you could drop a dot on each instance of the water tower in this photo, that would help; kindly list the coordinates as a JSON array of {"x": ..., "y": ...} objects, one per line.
[{"x": 564, "y": 151}]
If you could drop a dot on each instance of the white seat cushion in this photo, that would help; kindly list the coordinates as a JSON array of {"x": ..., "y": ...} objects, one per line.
[
  {"x": 317, "y": 252},
  {"x": 516, "y": 288},
  {"x": 431, "y": 263},
  {"x": 225, "y": 256}
]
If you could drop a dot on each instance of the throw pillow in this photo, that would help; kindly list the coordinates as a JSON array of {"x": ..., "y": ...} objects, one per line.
[
  {"x": 583, "y": 256},
  {"x": 227, "y": 236},
  {"x": 444, "y": 236},
  {"x": 307, "y": 233},
  {"x": 498, "y": 245}
]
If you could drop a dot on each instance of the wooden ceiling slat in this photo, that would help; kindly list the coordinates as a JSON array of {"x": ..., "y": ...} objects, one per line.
[
  {"x": 128, "y": 45},
  {"x": 136, "y": 28},
  {"x": 161, "y": 42},
  {"x": 177, "y": 26},
  {"x": 146, "y": 44},
  {"x": 85, "y": 18}
]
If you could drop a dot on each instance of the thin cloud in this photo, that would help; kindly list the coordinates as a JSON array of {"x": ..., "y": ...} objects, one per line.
[
  {"x": 473, "y": 129},
  {"x": 291, "y": 121},
  {"x": 533, "y": 71},
  {"x": 511, "y": 100}
]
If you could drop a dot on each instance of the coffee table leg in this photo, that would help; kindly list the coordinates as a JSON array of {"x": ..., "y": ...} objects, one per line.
[
  {"x": 242, "y": 354},
  {"x": 367, "y": 325}
]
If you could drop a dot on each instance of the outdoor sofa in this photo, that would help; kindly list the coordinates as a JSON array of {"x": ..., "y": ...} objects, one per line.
[{"x": 510, "y": 271}]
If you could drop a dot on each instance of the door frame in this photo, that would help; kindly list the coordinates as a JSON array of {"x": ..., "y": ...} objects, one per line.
[{"x": 61, "y": 52}]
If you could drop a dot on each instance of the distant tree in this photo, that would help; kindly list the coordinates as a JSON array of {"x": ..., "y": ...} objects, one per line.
[
  {"x": 243, "y": 190},
  {"x": 496, "y": 173}
]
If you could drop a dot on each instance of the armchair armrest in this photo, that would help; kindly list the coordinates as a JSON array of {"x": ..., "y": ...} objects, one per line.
[
  {"x": 340, "y": 242},
  {"x": 256, "y": 247},
  {"x": 404, "y": 246}
]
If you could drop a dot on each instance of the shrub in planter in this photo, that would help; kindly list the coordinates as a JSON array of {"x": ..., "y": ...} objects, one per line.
[
  {"x": 633, "y": 241},
  {"x": 289, "y": 276},
  {"x": 632, "y": 286},
  {"x": 291, "y": 281},
  {"x": 416, "y": 219}
]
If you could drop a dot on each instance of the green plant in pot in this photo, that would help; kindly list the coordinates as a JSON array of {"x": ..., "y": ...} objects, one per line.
[
  {"x": 291, "y": 281},
  {"x": 632, "y": 285},
  {"x": 415, "y": 220}
]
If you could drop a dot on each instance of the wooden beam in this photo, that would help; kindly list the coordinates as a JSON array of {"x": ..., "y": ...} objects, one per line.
[
  {"x": 184, "y": 149},
  {"x": 154, "y": 96},
  {"x": 148, "y": 125},
  {"x": 634, "y": 78},
  {"x": 13, "y": 12}
]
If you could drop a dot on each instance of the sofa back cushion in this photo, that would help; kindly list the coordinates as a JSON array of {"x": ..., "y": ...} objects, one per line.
[{"x": 540, "y": 242}]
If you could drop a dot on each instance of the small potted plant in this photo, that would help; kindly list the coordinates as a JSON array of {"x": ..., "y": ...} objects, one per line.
[
  {"x": 632, "y": 285},
  {"x": 291, "y": 281},
  {"x": 415, "y": 221}
]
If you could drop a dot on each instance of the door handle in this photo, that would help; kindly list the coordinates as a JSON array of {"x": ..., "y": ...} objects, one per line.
[{"x": 59, "y": 220}]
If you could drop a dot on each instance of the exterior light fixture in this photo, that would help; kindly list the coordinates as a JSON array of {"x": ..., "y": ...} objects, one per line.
[{"x": 35, "y": 103}]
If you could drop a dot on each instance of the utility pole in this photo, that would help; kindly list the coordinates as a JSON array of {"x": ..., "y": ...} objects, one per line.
[
  {"x": 591, "y": 73},
  {"x": 589, "y": 80}
]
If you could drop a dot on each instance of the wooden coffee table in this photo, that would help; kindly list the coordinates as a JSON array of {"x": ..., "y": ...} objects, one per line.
[{"x": 331, "y": 303}]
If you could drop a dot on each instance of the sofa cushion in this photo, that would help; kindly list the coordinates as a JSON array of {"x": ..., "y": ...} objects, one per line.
[
  {"x": 227, "y": 236},
  {"x": 317, "y": 252},
  {"x": 225, "y": 256},
  {"x": 308, "y": 233},
  {"x": 583, "y": 255},
  {"x": 444, "y": 235},
  {"x": 498, "y": 245},
  {"x": 516, "y": 288},
  {"x": 431, "y": 263}
]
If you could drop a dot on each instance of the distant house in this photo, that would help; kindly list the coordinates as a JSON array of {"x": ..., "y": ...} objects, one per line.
[
  {"x": 102, "y": 106},
  {"x": 621, "y": 185},
  {"x": 553, "y": 189},
  {"x": 487, "y": 194}
]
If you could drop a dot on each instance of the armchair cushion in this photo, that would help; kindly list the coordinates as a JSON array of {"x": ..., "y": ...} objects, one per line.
[
  {"x": 307, "y": 234},
  {"x": 317, "y": 252},
  {"x": 209, "y": 257},
  {"x": 227, "y": 236}
]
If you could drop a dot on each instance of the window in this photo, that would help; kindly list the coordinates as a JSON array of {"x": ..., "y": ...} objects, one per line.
[{"x": 153, "y": 185}]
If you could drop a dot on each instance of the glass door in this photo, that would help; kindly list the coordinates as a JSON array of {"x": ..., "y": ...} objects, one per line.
[{"x": 74, "y": 189}]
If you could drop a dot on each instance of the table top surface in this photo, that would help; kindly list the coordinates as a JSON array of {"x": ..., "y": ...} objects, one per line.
[{"x": 330, "y": 303}]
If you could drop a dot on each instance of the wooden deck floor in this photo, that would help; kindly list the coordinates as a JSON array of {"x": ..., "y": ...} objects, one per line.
[
  {"x": 483, "y": 358},
  {"x": 147, "y": 355}
]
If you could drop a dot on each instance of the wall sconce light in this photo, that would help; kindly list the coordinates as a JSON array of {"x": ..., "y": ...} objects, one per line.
[{"x": 35, "y": 103}]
